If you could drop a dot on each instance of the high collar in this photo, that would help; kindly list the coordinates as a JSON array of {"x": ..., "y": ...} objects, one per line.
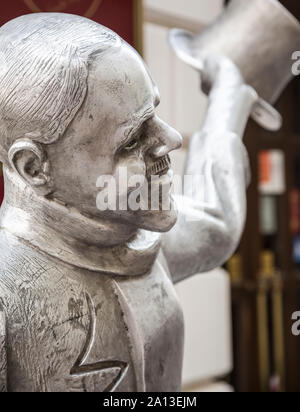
[{"x": 53, "y": 228}]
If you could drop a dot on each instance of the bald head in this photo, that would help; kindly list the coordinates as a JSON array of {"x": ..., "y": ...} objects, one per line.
[{"x": 44, "y": 61}]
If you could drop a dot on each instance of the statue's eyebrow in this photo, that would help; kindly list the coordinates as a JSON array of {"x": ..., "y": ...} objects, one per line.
[
  {"x": 140, "y": 119},
  {"x": 138, "y": 124}
]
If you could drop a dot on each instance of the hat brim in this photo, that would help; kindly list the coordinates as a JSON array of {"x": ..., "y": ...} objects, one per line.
[{"x": 263, "y": 113}]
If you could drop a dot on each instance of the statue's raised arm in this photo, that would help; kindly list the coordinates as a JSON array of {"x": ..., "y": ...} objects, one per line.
[
  {"x": 211, "y": 218},
  {"x": 245, "y": 83}
]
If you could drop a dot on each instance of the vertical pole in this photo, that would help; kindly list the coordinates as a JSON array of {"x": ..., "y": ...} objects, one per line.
[
  {"x": 278, "y": 330},
  {"x": 263, "y": 335}
]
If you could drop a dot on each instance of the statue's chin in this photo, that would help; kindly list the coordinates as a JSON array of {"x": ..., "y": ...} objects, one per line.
[
  {"x": 151, "y": 220},
  {"x": 157, "y": 221}
]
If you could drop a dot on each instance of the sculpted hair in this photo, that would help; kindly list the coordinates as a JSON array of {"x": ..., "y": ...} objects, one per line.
[{"x": 44, "y": 61}]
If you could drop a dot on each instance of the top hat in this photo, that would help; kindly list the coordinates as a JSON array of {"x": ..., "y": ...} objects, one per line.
[{"x": 259, "y": 36}]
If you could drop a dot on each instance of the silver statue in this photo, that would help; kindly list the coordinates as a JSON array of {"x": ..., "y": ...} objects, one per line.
[{"x": 87, "y": 301}]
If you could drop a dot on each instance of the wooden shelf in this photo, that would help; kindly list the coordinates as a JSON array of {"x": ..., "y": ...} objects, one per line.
[{"x": 246, "y": 375}]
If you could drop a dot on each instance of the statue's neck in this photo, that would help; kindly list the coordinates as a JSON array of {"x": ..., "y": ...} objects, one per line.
[{"x": 64, "y": 233}]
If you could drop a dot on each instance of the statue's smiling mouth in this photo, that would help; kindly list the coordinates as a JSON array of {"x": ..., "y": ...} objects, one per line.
[{"x": 160, "y": 167}]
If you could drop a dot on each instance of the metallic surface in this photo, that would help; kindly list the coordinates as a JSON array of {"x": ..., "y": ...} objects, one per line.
[
  {"x": 3, "y": 354},
  {"x": 259, "y": 36},
  {"x": 87, "y": 301}
]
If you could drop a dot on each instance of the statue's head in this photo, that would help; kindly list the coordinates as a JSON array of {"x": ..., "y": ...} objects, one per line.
[{"x": 77, "y": 103}]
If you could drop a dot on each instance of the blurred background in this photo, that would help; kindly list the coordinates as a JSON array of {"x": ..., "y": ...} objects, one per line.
[{"x": 239, "y": 318}]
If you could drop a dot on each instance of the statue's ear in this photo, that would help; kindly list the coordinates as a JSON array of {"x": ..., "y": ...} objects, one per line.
[{"x": 29, "y": 160}]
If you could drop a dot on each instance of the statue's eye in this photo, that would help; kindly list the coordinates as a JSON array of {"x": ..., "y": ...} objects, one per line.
[{"x": 131, "y": 145}]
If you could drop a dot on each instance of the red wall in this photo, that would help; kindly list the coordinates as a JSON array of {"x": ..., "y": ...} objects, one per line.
[
  {"x": 115, "y": 14},
  {"x": 118, "y": 15}
]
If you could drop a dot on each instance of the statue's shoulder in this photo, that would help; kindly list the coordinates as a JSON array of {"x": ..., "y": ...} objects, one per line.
[
  {"x": 21, "y": 264},
  {"x": 13, "y": 254},
  {"x": 10, "y": 247},
  {"x": 12, "y": 267}
]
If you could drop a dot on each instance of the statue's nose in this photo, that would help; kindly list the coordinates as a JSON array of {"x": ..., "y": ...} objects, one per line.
[{"x": 169, "y": 139}]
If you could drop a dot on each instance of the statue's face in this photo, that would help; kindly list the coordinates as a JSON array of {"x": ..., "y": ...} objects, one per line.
[{"x": 116, "y": 130}]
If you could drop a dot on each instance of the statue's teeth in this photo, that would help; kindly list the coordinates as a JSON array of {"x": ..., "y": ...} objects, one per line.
[{"x": 160, "y": 165}]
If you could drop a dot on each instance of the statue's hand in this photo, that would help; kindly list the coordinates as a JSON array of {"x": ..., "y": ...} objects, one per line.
[
  {"x": 231, "y": 101},
  {"x": 219, "y": 70},
  {"x": 221, "y": 75}
]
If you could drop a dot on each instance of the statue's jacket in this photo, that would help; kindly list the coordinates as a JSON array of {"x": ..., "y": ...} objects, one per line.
[{"x": 72, "y": 329}]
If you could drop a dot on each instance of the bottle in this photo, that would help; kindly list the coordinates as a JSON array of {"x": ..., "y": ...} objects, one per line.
[
  {"x": 296, "y": 250},
  {"x": 295, "y": 224},
  {"x": 268, "y": 221},
  {"x": 265, "y": 277},
  {"x": 267, "y": 265},
  {"x": 272, "y": 172},
  {"x": 234, "y": 267},
  {"x": 295, "y": 211},
  {"x": 270, "y": 325}
]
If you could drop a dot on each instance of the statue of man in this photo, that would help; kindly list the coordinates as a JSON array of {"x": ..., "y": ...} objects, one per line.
[{"x": 87, "y": 301}]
